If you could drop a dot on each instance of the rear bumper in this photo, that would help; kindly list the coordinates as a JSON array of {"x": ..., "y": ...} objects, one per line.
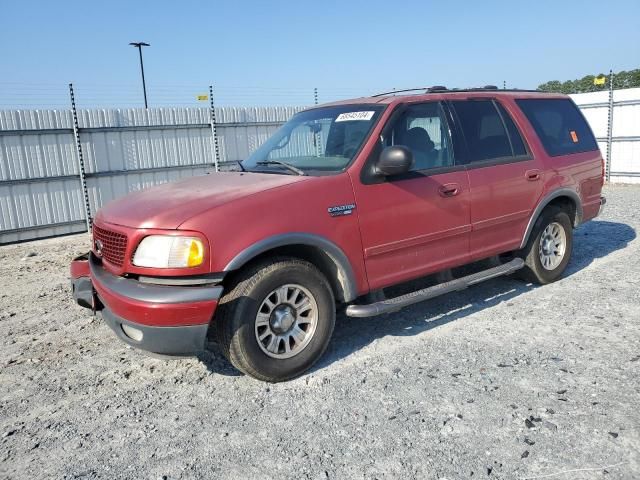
[
  {"x": 163, "y": 319},
  {"x": 592, "y": 209},
  {"x": 603, "y": 202}
]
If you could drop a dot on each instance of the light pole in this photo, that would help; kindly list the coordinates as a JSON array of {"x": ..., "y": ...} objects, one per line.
[{"x": 139, "y": 46}]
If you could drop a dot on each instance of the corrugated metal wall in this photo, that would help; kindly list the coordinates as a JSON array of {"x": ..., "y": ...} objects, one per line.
[
  {"x": 124, "y": 150},
  {"x": 130, "y": 149},
  {"x": 625, "y": 141}
]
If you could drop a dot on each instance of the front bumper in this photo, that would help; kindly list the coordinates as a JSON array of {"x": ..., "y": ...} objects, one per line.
[
  {"x": 186, "y": 340},
  {"x": 171, "y": 320}
]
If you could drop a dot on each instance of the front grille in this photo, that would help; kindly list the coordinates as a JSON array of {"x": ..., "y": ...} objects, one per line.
[{"x": 109, "y": 245}]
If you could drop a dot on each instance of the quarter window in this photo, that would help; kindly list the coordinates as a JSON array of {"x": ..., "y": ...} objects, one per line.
[{"x": 559, "y": 124}]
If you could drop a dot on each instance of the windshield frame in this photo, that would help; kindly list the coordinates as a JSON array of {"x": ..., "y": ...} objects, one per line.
[{"x": 379, "y": 110}]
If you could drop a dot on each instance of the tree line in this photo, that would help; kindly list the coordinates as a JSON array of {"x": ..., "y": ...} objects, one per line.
[{"x": 623, "y": 79}]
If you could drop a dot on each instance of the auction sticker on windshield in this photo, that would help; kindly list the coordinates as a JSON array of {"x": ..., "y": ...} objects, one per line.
[{"x": 346, "y": 117}]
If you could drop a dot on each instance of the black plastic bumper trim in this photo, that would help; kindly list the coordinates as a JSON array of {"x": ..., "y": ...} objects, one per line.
[
  {"x": 195, "y": 280},
  {"x": 83, "y": 292},
  {"x": 184, "y": 340},
  {"x": 145, "y": 292},
  {"x": 603, "y": 202}
]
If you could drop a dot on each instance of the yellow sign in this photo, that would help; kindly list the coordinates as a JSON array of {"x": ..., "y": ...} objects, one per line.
[
  {"x": 202, "y": 97},
  {"x": 599, "y": 80}
]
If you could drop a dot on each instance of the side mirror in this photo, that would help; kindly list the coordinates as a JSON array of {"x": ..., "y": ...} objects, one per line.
[{"x": 394, "y": 160}]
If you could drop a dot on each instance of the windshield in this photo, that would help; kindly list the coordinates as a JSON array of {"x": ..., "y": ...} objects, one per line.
[{"x": 321, "y": 139}]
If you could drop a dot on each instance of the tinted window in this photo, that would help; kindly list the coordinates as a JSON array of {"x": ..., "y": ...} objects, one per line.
[
  {"x": 559, "y": 124},
  {"x": 483, "y": 130},
  {"x": 424, "y": 130},
  {"x": 514, "y": 135}
]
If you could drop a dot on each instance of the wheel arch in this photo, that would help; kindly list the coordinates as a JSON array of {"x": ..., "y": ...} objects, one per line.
[
  {"x": 565, "y": 198},
  {"x": 321, "y": 252}
]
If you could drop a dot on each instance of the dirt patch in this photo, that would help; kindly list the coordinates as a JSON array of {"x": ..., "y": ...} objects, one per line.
[{"x": 504, "y": 380}]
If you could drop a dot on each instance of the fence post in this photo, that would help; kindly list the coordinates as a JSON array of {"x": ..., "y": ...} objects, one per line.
[
  {"x": 214, "y": 136},
  {"x": 83, "y": 178},
  {"x": 317, "y": 140},
  {"x": 609, "y": 127}
]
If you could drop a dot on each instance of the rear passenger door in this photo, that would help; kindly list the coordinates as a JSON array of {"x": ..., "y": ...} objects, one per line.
[{"x": 505, "y": 181}]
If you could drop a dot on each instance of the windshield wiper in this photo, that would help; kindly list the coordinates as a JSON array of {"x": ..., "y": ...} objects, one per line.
[
  {"x": 239, "y": 162},
  {"x": 286, "y": 165}
]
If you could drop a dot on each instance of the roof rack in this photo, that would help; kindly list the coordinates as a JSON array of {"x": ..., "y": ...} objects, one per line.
[
  {"x": 436, "y": 88},
  {"x": 439, "y": 89},
  {"x": 399, "y": 91}
]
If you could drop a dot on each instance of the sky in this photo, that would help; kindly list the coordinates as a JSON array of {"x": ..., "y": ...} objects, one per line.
[{"x": 277, "y": 52}]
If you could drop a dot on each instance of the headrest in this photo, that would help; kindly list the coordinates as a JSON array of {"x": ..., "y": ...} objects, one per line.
[{"x": 418, "y": 138}]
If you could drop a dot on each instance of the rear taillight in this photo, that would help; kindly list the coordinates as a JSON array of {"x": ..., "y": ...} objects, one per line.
[{"x": 603, "y": 172}]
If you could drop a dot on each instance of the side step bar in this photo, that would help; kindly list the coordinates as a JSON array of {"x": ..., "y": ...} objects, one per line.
[{"x": 395, "y": 304}]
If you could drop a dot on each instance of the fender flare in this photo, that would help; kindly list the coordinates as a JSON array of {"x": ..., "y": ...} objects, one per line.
[
  {"x": 346, "y": 277},
  {"x": 561, "y": 192}
]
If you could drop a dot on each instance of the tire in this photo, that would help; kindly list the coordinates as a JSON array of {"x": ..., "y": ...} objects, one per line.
[
  {"x": 542, "y": 244},
  {"x": 242, "y": 316}
]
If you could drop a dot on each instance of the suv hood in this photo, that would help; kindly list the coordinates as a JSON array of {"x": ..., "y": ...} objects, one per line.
[{"x": 169, "y": 205}]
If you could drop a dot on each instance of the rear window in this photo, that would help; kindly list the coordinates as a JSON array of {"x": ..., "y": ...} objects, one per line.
[{"x": 559, "y": 124}]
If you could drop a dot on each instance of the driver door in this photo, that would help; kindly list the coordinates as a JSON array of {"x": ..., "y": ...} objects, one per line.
[{"x": 416, "y": 223}]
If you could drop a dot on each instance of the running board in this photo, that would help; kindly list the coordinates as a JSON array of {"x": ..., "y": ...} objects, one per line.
[{"x": 395, "y": 304}]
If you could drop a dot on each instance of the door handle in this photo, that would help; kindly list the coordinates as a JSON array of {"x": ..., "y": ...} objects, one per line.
[
  {"x": 449, "y": 190},
  {"x": 532, "y": 175}
]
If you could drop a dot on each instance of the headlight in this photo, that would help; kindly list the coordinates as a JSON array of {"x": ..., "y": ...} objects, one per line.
[{"x": 164, "y": 251}]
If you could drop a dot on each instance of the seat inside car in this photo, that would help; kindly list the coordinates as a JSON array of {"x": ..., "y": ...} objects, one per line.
[{"x": 423, "y": 148}]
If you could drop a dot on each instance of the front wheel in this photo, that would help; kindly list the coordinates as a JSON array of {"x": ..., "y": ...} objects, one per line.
[
  {"x": 548, "y": 250},
  {"x": 277, "y": 319}
]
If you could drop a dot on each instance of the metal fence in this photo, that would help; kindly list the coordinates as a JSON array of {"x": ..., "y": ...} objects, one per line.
[
  {"x": 43, "y": 180},
  {"x": 57, "y": 167},
  {"x": 614, "y": 117}
]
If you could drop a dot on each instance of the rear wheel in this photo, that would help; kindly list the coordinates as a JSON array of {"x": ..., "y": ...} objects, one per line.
[
  {"x": 549, "y": 248},
  {"x": 277, "y": 319}
]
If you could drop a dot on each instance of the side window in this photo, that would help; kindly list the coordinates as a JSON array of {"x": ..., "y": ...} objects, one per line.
[
  {"x": 517, "y": 144},
  {"x": 559, "y": 124},
  {"x": 483, "y": 129},
  {"x": 424, "y": 130}
]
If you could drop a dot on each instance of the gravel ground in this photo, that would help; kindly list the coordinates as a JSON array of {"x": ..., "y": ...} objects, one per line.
[{"x": 504, "y": 380}]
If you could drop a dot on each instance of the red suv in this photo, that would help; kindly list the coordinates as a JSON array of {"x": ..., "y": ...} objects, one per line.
[{"x": 342, "y": 201}]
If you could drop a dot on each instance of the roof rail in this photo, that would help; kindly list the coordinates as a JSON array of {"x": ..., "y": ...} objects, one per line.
[
  {"x": 440, "y": 89},
  {"x": 400, "y": 91}
]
